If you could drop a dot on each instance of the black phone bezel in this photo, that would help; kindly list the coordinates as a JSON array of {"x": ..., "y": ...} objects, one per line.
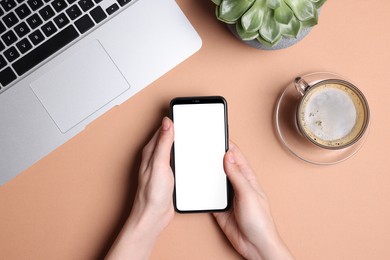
[{"x": 202, "y": 100}]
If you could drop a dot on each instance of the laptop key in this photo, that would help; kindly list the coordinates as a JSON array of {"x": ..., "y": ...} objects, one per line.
[
  {"x": 11, "y": 54},
  {"x": 24, "y": 45},
  {"x": 34, "y": 21},
  {"x": 3, "y": 62},
  {"x": 49, "y": 29},
  {"x": 86, "y": 4},
  {"x": 9, "y": 38},
  {"x": 98, "y": 14},
  {"x": 8, "y": 4},
  {"x": 123, "y": 2},
  {"x": 35, "y": 4},
  {"x": 59, "y": 5},
  {"x": 22, "y": 29},
  {"x": 2, "y": 28},
  {"x": 112, "y": 9},
  {"x": 46, "y": 12},
  {"x": 2, "y": 47},
  {"x": 73, "y": 12},
  {"x": 7, "y": 76},
  {"x": 36, "y": 37},
  {"x": 61, "y": 20},
  {"x": 45, "y": 50},
  {"x": 22, "y": 11},
  {"x": 84, "y": 23},
  {"x": 10, "y": 19}
]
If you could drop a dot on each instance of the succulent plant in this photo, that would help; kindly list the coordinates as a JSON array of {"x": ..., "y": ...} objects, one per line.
[{"x": 268, "y": 20}]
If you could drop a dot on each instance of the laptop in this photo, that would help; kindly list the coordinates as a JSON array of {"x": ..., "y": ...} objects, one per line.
[{"x": 63, "y": 63}]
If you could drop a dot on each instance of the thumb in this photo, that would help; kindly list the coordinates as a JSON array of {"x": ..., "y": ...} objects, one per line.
[
  {"x": 162, "y": 151},
  {"x": 234, "y": 174}
]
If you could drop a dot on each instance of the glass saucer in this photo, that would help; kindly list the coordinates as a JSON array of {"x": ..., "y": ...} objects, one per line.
[{"x": 297, "y": 143}]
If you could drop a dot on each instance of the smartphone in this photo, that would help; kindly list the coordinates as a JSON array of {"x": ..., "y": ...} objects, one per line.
[{"x": 200, "y": 143}]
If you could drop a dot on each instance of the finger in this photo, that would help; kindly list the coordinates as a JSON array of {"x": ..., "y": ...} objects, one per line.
[
  {"x": 241, "y": 160},
  {"x": 239, "y": 182},
  {"x": 244, "y": 166},
  {"x": 221, "y": 218},
  {"x": 228, "y": 224},
  {"x": 162, "y": 151},
  {"x": 147, "y": 152}
]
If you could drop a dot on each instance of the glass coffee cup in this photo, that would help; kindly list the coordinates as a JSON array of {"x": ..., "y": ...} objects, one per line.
[
  {"x": 332, "y": 113},
  {"x": 322, "y": 118}
]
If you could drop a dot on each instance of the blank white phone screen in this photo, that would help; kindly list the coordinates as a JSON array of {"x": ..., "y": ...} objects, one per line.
[{"x": 199, "y": 149}]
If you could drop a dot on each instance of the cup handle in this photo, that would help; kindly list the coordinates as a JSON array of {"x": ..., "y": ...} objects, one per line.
[{"x": 301, "y": 85}]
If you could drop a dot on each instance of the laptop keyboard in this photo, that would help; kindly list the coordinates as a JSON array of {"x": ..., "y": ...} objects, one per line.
[{"x": 33, "y": 30}]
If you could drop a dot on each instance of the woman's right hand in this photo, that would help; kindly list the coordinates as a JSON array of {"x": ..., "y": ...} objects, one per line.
[{"x": 248, "y": 224}]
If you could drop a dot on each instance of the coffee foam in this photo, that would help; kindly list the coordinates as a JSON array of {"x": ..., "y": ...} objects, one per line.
[{"x": 332, "y": 115}]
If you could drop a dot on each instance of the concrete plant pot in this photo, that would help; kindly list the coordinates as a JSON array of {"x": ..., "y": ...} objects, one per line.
[{"x": 282, "y": 44}]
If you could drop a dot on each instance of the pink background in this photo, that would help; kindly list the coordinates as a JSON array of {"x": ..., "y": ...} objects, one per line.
[{"x": 71, "y": 204}]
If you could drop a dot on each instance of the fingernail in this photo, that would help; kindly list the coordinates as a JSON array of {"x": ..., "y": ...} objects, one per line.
[
  {"x": 230, "y": 157},
  {"x": 165, "y": 124}
]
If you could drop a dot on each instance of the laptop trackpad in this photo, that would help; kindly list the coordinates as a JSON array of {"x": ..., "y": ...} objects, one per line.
[{"x": 79, "y": 86}]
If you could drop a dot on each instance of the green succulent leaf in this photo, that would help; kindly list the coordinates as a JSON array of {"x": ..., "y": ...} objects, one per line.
[
  {"x": 253, "y": 18},
  {"x": 292, "y": 29},
  {"x": 318, "y": 3},
  {"x": 268, "y": 21},
  {"x": 273, "y": 4},
  {"x": 245, "y": 35},
  {"x": 270, "y": 30},
  {"x": 283, "y": 14},
  {"x": 311, "y": 22},
  {"x": 304, "y": 9},
  {"x": 231, "y": 10},
  {"x": 266, "y": 43}
]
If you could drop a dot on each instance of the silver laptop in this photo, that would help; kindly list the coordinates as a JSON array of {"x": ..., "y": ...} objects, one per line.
[{"x": 63, "y": 63}]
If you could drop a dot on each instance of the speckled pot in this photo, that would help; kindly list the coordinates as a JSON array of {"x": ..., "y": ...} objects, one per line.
[{"x": 283, "y": 43}]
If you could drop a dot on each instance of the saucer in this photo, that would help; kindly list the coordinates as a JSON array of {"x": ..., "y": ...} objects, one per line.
[{"x": 297, "y": 143}]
